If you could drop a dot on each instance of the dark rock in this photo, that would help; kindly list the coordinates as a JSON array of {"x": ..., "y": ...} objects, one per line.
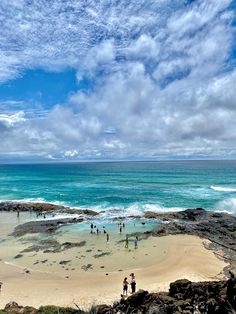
[
  {"x": 42, "y": 226},
  {"x": 13, "y": 307},
  {"x": 87, "y": 267},
  {"x": 18, "y": 256},
  {"x": 104, "y": 309},
  {"x": 101, "y": 255},
  {"x": 43, "y": 208},
  {"x": 64, "y": 262}
]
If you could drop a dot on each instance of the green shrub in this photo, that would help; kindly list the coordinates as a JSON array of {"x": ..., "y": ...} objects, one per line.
[{"x": 52, "y": 309}]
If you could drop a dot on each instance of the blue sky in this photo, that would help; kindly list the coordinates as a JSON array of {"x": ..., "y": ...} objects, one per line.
[
  {"x": 48, "y": 88},
  {"x": 117, "y": 80}
]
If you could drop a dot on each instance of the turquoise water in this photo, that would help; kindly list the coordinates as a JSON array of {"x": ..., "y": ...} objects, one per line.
[{"x": 128, "y": 187}]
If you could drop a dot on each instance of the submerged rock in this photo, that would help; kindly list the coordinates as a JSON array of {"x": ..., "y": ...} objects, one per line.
[{"x": 43, "y": 226}]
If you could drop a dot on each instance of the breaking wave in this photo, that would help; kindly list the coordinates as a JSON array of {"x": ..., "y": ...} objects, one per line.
[
  {"x": 223, "y": 188},
  {"x": 228, "y": 205}
]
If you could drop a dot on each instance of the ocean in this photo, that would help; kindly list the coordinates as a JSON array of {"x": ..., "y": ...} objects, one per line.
[{"x": 126, "y": 187}]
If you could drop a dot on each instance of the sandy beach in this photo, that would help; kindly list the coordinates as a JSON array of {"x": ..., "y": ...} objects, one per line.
[{"x": 156, "y": 263}]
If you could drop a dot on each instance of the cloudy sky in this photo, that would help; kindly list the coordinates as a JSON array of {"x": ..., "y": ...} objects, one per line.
[{"x": 117, "y": 79}]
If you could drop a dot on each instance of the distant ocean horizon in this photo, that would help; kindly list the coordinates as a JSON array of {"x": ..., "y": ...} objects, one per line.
[{"x": 125, "y": 187}]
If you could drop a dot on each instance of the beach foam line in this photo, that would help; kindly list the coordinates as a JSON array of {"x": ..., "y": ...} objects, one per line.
[{"x": 223, "y": 188}]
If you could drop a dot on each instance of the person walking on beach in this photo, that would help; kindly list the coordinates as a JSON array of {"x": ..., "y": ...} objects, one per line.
[
  {"x": 136, "y": 243},
  {"x": 1, "y": 287},
  {"x": 125, "y": 286},
  {"x": 126, "y": 242},
  {"x": 108, "y": 237},
  {"x": 133, "y": 283},
  {"x": 120, "y": 229}
]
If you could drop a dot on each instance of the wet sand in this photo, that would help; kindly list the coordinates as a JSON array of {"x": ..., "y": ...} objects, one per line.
[{"x": 156, "y": 263}]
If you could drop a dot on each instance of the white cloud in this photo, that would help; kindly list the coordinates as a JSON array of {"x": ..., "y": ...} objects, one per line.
[
  {"x": 12, "y": 119},
  {"x": 163, "y": 83}
]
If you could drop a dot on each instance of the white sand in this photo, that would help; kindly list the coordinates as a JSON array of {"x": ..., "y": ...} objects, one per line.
[{"x": 156, "y": 263}]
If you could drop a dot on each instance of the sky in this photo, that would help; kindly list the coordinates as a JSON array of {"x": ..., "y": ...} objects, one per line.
[{"x": 117, "y": 80}]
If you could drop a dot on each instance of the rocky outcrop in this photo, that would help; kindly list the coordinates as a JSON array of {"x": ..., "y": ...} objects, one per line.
[
  {"x": 43, "y": 226},
  {"x": 43, "y": 208},
  {"x": 13, "y": 307},
  {"x": 184, "y": 297},
  {"x": 219, "y": 228}
]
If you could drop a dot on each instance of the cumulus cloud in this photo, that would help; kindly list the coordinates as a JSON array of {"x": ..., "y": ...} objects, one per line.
[{"x": 163, "y": 81}]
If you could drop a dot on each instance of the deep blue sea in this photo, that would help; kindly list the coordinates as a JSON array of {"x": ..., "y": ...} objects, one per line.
[{"x": 129, "y": 187}]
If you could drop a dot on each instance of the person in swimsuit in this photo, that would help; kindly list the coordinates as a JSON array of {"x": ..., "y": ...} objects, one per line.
[{"x": 125, "y": 286}]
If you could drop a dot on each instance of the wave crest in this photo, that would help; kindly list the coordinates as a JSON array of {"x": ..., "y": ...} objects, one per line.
[{"x": 223, "y": 188}]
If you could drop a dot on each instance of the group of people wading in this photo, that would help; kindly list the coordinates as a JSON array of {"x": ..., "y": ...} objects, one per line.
[{"x": 95, "y": 230}]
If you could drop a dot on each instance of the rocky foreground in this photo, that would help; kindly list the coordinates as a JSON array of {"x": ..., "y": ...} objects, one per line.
[{"x": 184, "y": 297}]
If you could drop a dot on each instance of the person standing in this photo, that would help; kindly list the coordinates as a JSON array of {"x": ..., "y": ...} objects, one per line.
[
  {"x": 126, "y": 242},
  {"x": 133, "y": 283},
  {"x": 125, "y": 287},
  {"x": 108, "y": 237}
]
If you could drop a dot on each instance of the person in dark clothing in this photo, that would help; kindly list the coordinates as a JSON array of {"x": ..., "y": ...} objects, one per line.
[
  {"x": 133, "y": 283},
  {"x": 126, "y": 242},
  {"x": 231, "y": 289}
]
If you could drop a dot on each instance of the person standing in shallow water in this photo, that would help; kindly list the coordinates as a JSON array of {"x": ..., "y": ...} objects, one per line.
[
  {"x": 125, "y": 286},
  {"x": 133, "y": 283},
  {"x": 126, "y": 242}
]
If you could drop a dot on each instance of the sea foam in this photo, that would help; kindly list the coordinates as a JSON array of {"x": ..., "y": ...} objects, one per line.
[
  {"x": 223, "y": 188},
  {"x": 228, "y": 205}
]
